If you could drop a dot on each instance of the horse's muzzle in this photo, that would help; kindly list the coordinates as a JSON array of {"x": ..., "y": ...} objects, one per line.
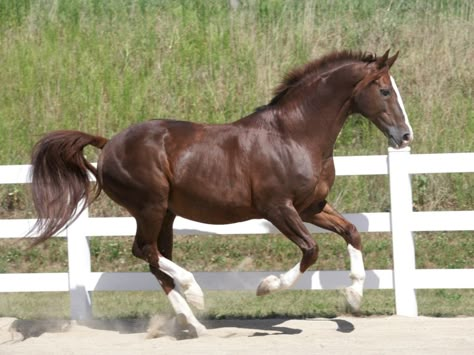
[{"x": 398, "y": 140}]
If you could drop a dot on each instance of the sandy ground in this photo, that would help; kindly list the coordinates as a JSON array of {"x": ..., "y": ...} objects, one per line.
[{"x": 347, "y": 335}]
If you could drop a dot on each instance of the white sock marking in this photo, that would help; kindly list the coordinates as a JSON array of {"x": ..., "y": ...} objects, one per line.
[
  {"x": 180, "y": 306},
  {"x": 400, "y": 103},
  {"x": 289, "y": 278},
  {"x": 185, "y": 280},
  {"x": 357, "y": 269},
  {"x": 273, "y": 283},
  {"x": 182, "y": 276}
]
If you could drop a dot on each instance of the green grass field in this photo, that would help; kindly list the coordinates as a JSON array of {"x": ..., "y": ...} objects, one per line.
[
  {"x": 237, "y": 304},
  {"x": 99, "y": 66}
]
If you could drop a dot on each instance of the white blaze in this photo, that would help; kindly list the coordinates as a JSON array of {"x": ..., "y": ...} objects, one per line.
[{"x": 400, "y": 103}]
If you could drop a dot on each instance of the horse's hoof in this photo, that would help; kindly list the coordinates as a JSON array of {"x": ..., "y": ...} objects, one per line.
[
  {"x": 269, "y": 284},
  {"x": 197, "y": 330},
  {"x": 353, "y": 299},
  {"x": 195, "y": 296},
  {"x": 185, "y": 330}
]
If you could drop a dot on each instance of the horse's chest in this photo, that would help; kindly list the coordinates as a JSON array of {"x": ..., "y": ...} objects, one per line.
[{"x": 318, "y": 187}]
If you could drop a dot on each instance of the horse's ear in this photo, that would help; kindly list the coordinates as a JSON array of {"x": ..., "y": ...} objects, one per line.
[
  {"x": 382, "y": 61},
  {"x": 392, "y": 60}
]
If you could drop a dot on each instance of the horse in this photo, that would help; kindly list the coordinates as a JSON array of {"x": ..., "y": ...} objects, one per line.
[{"x": 275, "y": 164}]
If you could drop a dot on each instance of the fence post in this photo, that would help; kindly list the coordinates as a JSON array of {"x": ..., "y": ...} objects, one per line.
[
  {"x": 79, "y": 267},
  {"x": 402, "y": 239}
]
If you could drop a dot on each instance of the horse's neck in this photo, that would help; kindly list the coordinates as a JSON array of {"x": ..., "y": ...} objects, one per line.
[{"x": 318, "y": 117}]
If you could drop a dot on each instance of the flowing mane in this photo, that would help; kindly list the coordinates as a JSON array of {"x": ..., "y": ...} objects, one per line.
[{"x": 318, "y": 67}]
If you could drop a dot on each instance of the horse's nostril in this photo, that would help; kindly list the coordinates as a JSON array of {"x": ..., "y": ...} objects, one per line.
[{"x": 406, "y": 137}]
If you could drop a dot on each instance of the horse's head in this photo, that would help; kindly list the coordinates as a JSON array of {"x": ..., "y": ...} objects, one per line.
[{"x": 377, "y": 97}]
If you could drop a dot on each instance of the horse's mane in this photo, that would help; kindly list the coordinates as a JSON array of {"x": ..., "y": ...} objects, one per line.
[{"x": 318, "y": 67}]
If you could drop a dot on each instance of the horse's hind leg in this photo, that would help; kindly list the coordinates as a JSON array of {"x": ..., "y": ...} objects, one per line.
[
  {"x": 331, "y": 220},
  {"x": 157, "y": 251},
  {"x": 185, "y": 279}
]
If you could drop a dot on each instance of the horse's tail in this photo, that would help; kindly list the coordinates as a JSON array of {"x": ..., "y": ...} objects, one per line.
[{"x": 60, "y": 180}]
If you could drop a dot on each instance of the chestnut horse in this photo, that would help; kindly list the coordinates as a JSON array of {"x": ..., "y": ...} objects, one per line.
[{"x": 276, "y": 164}]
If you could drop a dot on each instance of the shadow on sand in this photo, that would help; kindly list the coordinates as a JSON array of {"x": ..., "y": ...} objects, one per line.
[
  {"x": 262, "y": 327},
  {"x": 274, "y": 326}
]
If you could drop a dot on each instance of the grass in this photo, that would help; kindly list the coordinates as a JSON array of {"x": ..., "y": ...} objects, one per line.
[
  {"x": 237, "y": 304},
  {"x": 241, "y": 253},
  {"x": 99, "y": 66}
]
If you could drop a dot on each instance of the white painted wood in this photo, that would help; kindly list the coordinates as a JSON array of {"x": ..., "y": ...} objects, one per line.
[
  {"x": 442, "y": 221},
  {"x": 365, "y": 222},
  {"x": 370, "y": 222},
  {"x": 444, "y": 278},
  {"x": 79, "y": 268},
  {"x": 225, "y": 280},
  {"x": 402, "y": 240},
  {"x": 15, "y": 228},
  {"x": 335, "y": 280},
  {"x": 441, "y": 163},
  {"x": 34, "y": 282},
  {"x": 361, "y": 165},
  {"x": 111, "y": 226},
  {"x": 126, "y": 226},
  {"x": 14, "y": 174},
  {"x": 239, "y": 280},
  {"x": 350, "y": 165},
  {"x": 315, "y": 280}
]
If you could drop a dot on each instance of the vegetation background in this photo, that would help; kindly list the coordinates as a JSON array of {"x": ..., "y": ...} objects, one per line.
[{"x": 100, "y": 66}]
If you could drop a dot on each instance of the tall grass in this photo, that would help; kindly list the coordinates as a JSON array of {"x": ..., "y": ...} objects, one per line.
[{"x": 100, "y": 66}]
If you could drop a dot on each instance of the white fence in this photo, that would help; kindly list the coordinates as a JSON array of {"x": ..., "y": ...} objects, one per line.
[{"x": 401, "y": 221}]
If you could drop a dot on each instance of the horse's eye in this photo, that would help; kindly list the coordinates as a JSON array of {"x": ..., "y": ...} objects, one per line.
[{"x": 385, "y": 92}]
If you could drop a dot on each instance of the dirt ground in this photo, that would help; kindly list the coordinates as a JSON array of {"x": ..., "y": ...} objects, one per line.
[{"x": 347, "y": 335}]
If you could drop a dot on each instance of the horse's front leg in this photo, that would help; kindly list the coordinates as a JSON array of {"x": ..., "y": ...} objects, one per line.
[
  {"x": 331, "y": 220},
  {"x": 288, "y": 221}
]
